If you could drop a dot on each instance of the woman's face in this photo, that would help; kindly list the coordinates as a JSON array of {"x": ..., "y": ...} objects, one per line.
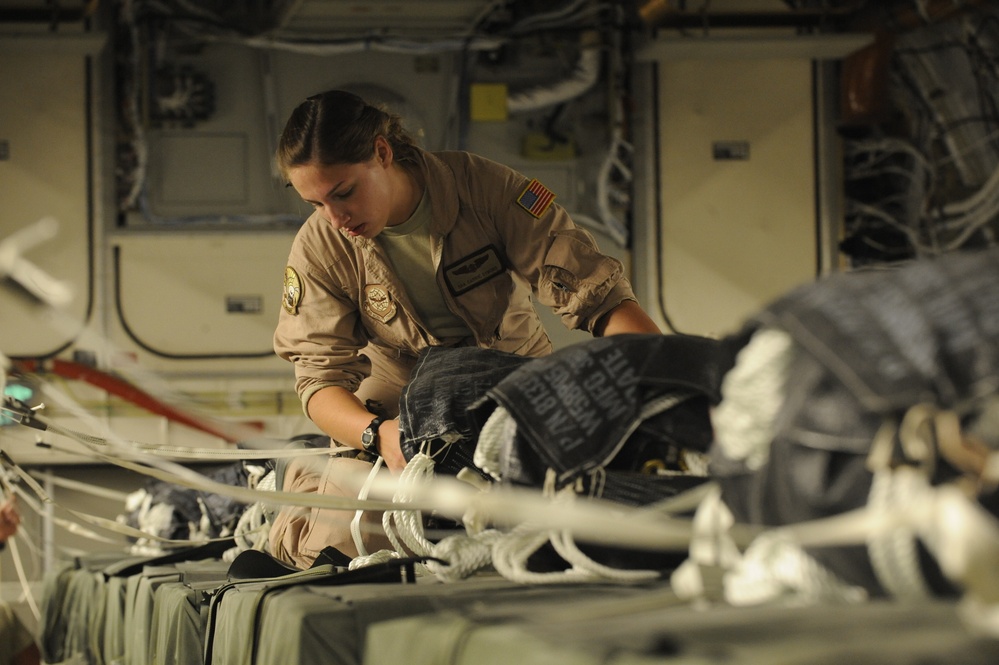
[{"x": 357, "y": 198}]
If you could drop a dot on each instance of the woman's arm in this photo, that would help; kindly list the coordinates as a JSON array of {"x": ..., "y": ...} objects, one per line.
[
  {"x": 338, "y": 412},
  {"x": 628, "y": 317}
]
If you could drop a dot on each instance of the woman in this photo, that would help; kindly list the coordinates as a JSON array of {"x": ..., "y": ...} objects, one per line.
[{"x": 408, "y": 249}]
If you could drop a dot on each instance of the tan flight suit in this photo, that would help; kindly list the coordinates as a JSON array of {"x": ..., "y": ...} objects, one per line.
[{"x": 347, "y": 318}]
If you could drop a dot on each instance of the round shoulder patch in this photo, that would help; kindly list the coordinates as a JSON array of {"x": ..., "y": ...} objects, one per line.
[{"x": 292, "y": 290}]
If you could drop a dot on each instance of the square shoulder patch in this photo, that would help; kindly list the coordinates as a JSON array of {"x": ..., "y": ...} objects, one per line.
[{"x": 536, "y": 198}]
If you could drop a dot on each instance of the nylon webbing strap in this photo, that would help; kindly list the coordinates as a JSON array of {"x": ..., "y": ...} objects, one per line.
[
  {"x": 179, "y": 475},
  {"x": 188, "y": 453},
  {"x": 168, "y": 471},
  {"x": 94, "y": 520}
]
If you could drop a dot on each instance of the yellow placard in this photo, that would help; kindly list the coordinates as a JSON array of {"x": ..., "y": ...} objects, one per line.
[{"x": 488, "y": 102}]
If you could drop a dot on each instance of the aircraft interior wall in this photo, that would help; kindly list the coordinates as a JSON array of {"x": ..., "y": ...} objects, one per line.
[
  {"x": 183, "y": 280},
  {"x": 173, "y": 229},
  {"x": 147, "y": 232}
]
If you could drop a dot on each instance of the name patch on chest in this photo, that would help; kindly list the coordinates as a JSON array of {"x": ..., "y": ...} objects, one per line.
[{"x": 471, "y": 271}]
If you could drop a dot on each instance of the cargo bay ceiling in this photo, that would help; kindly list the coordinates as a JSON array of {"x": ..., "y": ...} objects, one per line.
[
  {"x": 433, "y": 19},
  {"x": 429, "y": 19},
  {"x": 918, "y": 108}
]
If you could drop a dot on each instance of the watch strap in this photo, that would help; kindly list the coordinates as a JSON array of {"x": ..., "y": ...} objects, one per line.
[{"x": 369, "y": 438}]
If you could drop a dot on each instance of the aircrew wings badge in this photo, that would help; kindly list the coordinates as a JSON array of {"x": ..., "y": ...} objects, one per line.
[{"x": 536, "y": 198}]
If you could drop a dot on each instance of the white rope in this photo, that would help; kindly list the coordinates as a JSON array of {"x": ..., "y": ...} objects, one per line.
[
  {"x": 250, "y": 533},
  {"x": 472, "y": 519},
  {"x": 695, "y": 463},
  {"x": 178, "y": 453},
  {"x": 686, "y": 501},
  {"x": 184, "y": 477},
  {"x": 565, "y": 545},
  {"x": 237, "y": 454},
  {"x": 49, "y": 290},
  {"x": 775, "y": 569},
  {"x": 711, "y": 548},
  {"x": 404, "y": 528},
  {"x": 964, "y": 539},
  {"x": 253, "y": 528},
  {"x": 464, "y": 554},
  {"x": 94, "y": 520},
  {"x": 893, "y": 553},
  {"x": 87, "y": 488},
  {"x": 752, "y": 394},
  {"x": 990, "y": 471},
  {"x": 961, "y": 535},
  {"x": 496, "y": 435},
  {"x": 469, "y": 553},
  {"x": 355, "y": 523},
  {"x": 981, "y": 617},
  {"x": 188, "y": 453},
  {"x": 502, "y": 506},
  {"x": 511, "y": 552},
  {"x": 381, "y": 556},
  {"x": 71, "y": 527},
  {"x": 480, "y": 547}
]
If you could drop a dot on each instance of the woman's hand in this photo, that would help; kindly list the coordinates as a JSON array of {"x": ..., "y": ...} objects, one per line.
[{"x": 390, "y": 446}]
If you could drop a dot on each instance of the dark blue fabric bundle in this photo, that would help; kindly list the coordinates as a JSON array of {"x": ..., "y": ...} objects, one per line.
[
  {"x": 868, "y": 346},
  {"x": 588, "y": 407}
]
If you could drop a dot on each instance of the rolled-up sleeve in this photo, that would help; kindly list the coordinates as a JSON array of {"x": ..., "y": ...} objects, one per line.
[
  {"x": 579, "y": 282},
  {"x": 561, "y": 261}
]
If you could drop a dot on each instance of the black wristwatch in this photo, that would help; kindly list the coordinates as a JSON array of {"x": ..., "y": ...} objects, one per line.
[{"x": 369, "y": 437}]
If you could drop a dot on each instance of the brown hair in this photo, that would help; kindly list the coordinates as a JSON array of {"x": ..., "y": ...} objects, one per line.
[{"x": 338, "y": 127}]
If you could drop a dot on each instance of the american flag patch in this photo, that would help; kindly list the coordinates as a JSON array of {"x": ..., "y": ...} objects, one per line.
[{"x": 536, "y": 198}]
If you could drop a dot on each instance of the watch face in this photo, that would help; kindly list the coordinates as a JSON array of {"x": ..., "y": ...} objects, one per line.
[{"x": 369, "y": 437}]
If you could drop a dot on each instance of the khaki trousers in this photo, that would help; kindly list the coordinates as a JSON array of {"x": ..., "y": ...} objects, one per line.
[{"x": 298, "y": 534}]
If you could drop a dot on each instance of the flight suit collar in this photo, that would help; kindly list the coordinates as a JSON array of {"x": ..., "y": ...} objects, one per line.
[{"x": 441, "y": 185}]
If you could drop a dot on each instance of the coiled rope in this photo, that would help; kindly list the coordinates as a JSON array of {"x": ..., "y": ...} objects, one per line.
[{"x": 752, "y": 394}]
